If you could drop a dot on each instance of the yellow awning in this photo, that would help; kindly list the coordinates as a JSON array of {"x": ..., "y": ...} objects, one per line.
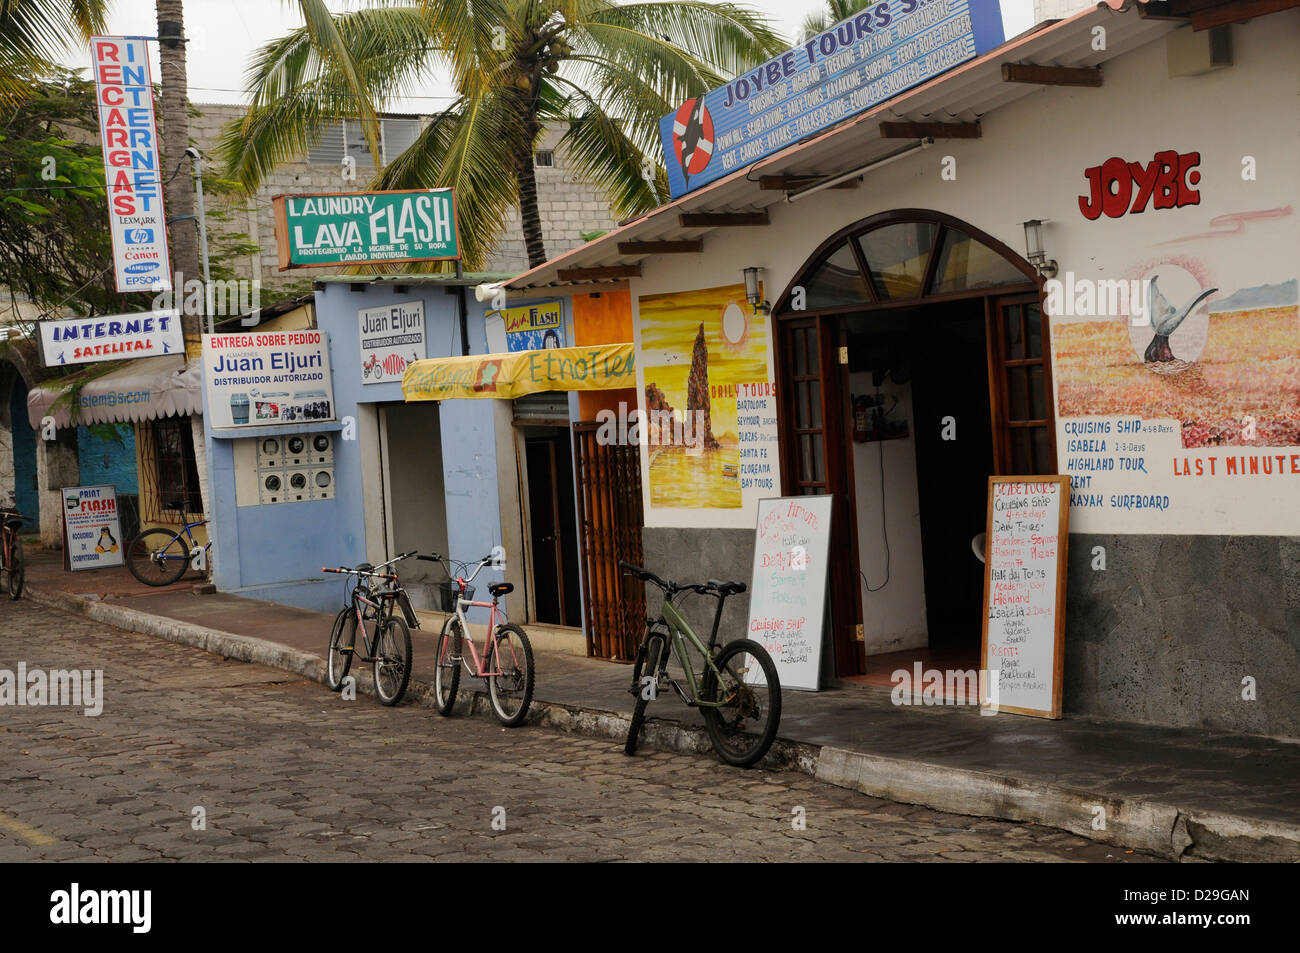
[{"x": 507, "y": 376}]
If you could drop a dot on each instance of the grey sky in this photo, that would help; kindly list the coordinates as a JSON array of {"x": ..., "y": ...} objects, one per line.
[{"x": 224, "y": 33}]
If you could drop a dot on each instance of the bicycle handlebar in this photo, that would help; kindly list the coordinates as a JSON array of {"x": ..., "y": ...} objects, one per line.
[
  {"x": 712, "y": 587},
  {"x": 360, "y": 572}
]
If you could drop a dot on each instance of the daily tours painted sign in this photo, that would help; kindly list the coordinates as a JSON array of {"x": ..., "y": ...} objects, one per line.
[
  {"x": 358, "y": 228},
  {"x": 84, "y": 340},
  {"x": 844, "y": 70},
  {"x": 129, "y": 137}
]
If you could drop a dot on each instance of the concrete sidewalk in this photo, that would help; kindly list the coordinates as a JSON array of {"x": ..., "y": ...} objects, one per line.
[{"x": 1182, "y": 793}]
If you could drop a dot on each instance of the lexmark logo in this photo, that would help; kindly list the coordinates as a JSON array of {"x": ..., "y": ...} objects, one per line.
[{"x": 77, "y": 906}]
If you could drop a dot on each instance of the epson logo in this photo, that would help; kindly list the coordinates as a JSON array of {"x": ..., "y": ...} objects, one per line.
[
  {"x": 139, "y": 236},
  {"x": 77, "y": 906},
  {"x": 140, "y": 268}
]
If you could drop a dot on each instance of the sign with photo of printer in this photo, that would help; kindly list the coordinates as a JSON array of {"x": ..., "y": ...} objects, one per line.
[{"x": 268, "y": 379}]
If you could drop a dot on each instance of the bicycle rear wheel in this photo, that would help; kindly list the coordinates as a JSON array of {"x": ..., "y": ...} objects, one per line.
[
  {"x": 745, "y": 725},
  {"x": 17, "y": 569},
  {"x": 446, "y": 672},
  {"x": 157, "y": 557},
  {"x": 511, "y": 691},
  {"x": 392, "y": 660},
  {"x": 646, "y": 665},
  {"x": 338, "y": 657}
]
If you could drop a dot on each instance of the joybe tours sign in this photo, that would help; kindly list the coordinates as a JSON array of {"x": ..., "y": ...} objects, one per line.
[
  {"x": 1024, "y": 593},
  {"x": 269, "y": 379},
  {"x": 358, "y": 228},
  {"x": 129, "y": 137},
  {"x": 84, "y": 340},
  {"x": 858, "y": 63},
  {"x": 788, "y": 593}
]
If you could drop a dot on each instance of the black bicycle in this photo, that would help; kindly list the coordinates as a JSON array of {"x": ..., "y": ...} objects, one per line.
[
  {"x": 12, "y": 565},
  {"x": 387, "y": 642}
]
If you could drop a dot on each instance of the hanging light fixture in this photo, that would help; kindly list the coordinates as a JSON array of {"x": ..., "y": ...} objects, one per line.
[
  {"x": 752, "y": 293},
  {"x": 1035, "y": 252}
]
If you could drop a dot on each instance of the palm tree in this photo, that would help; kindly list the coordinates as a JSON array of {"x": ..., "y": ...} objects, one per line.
[
  {"x": 606, "y": 71},
  {"x": 818, "y": 21},
  {"x": 34, "y": 32}
]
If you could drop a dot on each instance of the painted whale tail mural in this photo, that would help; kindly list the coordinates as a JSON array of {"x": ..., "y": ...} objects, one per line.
[{"x": 1165, "y": 320}]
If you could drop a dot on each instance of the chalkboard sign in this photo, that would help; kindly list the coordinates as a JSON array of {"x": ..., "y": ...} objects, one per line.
[
  {"x": 1024, "y": 593},
  {"x": 788, "y": 594}
]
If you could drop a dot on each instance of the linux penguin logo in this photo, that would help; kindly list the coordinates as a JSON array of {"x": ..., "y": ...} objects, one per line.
[{"x": 692, "y": 138}]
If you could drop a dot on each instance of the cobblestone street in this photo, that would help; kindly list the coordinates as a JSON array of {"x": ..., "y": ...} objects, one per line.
[{"x": 281, "y": 769}]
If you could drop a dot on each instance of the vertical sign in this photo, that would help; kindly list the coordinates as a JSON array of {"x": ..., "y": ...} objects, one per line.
[
  {"x": 1024, "y": 592},
  {"x": 788, "y": 594},
  {"x": 94, "y": 532},
  {"x": 132, "y": 170}
]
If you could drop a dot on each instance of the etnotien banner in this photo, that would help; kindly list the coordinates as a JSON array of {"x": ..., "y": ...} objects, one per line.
[{"x": 132, "y": 166}]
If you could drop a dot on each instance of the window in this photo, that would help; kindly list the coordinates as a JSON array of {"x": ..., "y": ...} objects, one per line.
[
  {"x": 346, "y": 138},
  {"x": 544, "y": 159},
  {"x": 169, "y": 473}
]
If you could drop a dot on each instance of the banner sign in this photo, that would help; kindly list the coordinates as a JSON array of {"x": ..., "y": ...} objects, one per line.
[
  {"x": 391, "y": 338},
  {"x": 357, "y": 228},
  {"x": 507, "y": 376},
  {"x": 532, "y": 327},
  {"x": 856, "y": 64},
  {"x": 263, "y": 380},
  {"x": 132, "y": 170},
  {"x": 93, "y": 528},
  {"x": 85, "y": 340}
]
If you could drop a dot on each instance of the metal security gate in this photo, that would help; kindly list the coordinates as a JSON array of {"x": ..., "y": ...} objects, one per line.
[{"x": 609, "y": 526}]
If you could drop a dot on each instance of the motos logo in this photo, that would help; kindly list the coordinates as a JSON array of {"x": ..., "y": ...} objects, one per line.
[
  {"x": 102, "y": 907},
  {"x": 1117, "y": 187}
]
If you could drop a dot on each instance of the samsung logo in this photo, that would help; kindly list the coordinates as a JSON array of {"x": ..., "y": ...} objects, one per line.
[{"x": 141, "y": 268}]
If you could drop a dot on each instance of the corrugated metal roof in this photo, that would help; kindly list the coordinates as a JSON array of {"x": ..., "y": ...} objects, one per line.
[
  {"x": 469, "y": 278},
  {"x": 963, "y": 94}
]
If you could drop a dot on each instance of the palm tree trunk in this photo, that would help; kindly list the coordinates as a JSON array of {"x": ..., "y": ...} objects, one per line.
[
  {"x": 178, "y": 194},
  {"x": 527, "y": 179}
]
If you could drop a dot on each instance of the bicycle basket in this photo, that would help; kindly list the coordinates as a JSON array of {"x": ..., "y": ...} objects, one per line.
[{"x": 449, "y": 592}]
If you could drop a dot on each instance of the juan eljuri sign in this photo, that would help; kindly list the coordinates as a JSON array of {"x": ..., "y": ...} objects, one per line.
[
  {"x": 268, "y": 379},
  {"x": 132, "y": 170},
  {"x": 357, "y": 228},
  {"x": 844, "y": 70},
  {"x": 84, "y": 340}
]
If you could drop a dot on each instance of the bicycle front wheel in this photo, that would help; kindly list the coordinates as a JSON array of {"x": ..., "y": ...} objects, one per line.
[
  {"x": 446, "y": 672},
  {"x": 645, "y": 666},
  {"x": 743, "y": 725},
  {"x": 392, "y": 661},
  {"x": 511, "y": 688},
  {"x": 17, "y": 569},
  {"x": 157, "y": 557},
  {"x": 338, "y": 659}
]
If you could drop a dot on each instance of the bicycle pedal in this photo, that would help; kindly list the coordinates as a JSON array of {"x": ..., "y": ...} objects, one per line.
[{"x": 345, "y": 651}]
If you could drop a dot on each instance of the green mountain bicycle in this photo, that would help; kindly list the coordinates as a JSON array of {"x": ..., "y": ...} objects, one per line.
[{"x": 737, "y": 690}]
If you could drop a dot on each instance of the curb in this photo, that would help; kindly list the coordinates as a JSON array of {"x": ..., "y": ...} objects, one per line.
[{"x": 1137, "y": 823}]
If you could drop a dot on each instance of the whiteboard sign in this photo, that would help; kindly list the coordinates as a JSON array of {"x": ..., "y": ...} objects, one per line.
[
  {"x": 1024, "y": 593},
  {"x": 788, "y": 594},
  {"x": 94, "y": 532}
]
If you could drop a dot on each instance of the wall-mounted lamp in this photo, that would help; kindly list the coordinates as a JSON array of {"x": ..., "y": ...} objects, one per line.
[
  {"x": 752, "y": 293},
  {"x": 1046, "y": 267}
]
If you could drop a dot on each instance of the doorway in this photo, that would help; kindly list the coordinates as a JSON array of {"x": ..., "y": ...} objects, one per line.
[
  {"x": 415, "y": 505},
  {"x": 552, "y": 528},
  {"x": 906, "y": 381}
]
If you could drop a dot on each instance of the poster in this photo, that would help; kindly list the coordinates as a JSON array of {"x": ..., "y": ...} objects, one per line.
[
  {"x": 709, "y": 407},
  {"x": 92, "y": 526},
  {"x": 354, "y": 228},
  {"x": 111, "y": 338},
  {"x": 787, "y": 599},
  {"x": 132, "y": 166},
  {"x": 391, "y": 338},
  {"x": 1183, "y": 410},
  {"x": 532, "y": 327},
  {"x": 268, "y": 379}
]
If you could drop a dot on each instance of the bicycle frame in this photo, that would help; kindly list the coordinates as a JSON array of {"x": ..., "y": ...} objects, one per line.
[
  {"x": 680, "y": 632},
  {"x": 495, "y": 610},
  {"x": 189, "y": 551}
]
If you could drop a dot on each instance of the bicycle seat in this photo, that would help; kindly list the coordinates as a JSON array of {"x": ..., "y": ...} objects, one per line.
[
  {"x": 726, "y": 588},
  {"x": 13, "y": 522},
  {"x": 501, "y": 588}
]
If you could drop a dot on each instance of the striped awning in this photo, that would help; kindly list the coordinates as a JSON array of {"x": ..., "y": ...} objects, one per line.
[{"x": 145, "y": 389}]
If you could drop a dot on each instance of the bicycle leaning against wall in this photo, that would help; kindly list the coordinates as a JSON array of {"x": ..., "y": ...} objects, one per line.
[{"x": 12, "y": 565}]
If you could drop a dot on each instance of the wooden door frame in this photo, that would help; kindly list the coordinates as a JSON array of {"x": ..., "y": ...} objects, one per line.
[{"x": 836, "y": 411}]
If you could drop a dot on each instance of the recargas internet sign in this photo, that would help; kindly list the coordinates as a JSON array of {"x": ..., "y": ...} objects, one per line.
[{"x": 353, "y": 228}]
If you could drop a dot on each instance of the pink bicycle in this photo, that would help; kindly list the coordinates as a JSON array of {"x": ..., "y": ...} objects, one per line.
[{"x": 507, "y": 659}]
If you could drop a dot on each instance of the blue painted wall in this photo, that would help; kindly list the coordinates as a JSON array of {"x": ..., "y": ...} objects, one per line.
[
  {"x": 26, "y": 497},
  {"x": 275, "y": 552},
  {"x": 108, "y": 459}
]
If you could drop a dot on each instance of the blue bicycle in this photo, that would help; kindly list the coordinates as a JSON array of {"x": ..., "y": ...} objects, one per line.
[{"x": 159, "y": 557}]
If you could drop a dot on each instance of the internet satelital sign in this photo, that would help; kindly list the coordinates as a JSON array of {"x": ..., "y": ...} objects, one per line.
[{"x": 132, "y": 169}]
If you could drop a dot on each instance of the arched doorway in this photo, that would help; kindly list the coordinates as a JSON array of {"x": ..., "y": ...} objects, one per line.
[{"x": 912, "y": 364}]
